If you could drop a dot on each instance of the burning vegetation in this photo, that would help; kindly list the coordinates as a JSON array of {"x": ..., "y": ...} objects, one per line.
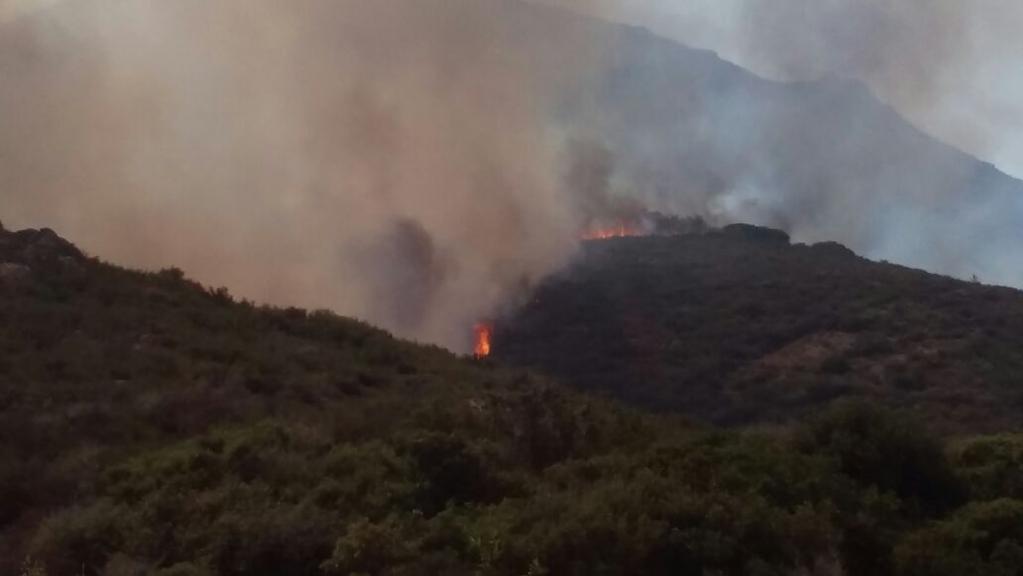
[
  {"x": 620, "y": 230},
  {"x": 648, "y": 223},
  {"x": 483, "y": 333}
]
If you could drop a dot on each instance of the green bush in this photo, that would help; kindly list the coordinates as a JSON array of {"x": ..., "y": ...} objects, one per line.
[
  {"x": 148, "y": 425},
  {"x": 885, "y": 450},
  {"x": 992, "y": 466},
  {"x": 984, "y": 539}
]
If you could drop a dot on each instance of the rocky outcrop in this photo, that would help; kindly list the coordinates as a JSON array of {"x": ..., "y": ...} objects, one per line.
[
  {"x": 43, "y": 244},
  {"x": 27, "y": 246},
  {"x": 26, "y": 253}
]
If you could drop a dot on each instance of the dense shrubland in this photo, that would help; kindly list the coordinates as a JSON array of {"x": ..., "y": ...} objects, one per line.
[
  {"x": 151, "y": 426},
  {"x": 738, "y": 326}
]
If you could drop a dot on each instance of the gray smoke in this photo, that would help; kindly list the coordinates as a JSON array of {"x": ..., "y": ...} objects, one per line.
[
  {"x": 823, "y": 149},
  {"x": 945, "y": 64},
  {"x": 949, "y": 66},
  {"x": 417, "y": 163},
  {"x": 395, "y": 161}
]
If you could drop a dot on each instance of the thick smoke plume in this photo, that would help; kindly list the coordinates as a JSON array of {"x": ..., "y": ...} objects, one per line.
[
  {"x": 821, "y": 146},
  {"x": 393, "y": 160},
  {"x": 418, "y": 163}
]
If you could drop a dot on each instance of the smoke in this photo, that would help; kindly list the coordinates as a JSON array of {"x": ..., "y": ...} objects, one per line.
[
  {"x": 395, "y": 161},
  {"x": 417, "y": 163},
  {"x": 820, "y": 144},
  {"x": 944, "y": 64},
  {"x": 949, "y": 66}
]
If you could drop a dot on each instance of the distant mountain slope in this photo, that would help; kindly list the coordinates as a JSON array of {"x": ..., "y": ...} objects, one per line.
[
  {"x": 823, "y": 160},
  {"x": 739, "y": 327}
]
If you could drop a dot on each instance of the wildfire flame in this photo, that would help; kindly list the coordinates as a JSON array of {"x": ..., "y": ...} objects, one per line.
[
  {"x": 483, "y": 334},
  {"x": 620, "y": 230}
]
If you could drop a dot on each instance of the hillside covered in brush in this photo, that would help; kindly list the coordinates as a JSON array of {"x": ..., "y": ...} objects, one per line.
[
  {"x": 740, "y": 326},
  {"x": 149, "y": 425}
]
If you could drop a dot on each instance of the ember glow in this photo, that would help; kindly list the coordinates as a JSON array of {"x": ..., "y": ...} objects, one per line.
[
  {"x": 483, "y": 333},
  {"x": 620, "y": 230}
]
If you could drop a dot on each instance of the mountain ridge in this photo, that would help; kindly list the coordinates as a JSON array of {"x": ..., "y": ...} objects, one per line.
[
  {"x": 149, "y": 425},
  {"x": 738, "y": 326},
  {"x": 826, "y": 159}
]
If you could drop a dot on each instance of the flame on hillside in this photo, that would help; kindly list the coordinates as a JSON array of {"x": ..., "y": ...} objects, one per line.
[
  {"x": 645, "y": 223},
  {"x": 618, "y": 230},
  {"x": 483, "y": 333}
]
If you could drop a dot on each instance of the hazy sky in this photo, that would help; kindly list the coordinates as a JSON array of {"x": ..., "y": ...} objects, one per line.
[{"x": 951, "y": 67}]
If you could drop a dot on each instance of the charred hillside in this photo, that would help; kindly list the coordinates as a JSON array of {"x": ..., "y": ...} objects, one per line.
[{"x": 740, "y": 326}]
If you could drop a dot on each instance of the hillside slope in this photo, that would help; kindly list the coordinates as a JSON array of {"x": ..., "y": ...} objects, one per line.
[
  {"x": 740, "y": 326},
  {"x": 148, "y": 422},
  {"x": 151, "y": 426}
]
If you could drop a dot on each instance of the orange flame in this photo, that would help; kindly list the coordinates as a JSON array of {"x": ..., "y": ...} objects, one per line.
[
  {"x": 620, "y": 230},
  {"x": 483, "y": 334}
]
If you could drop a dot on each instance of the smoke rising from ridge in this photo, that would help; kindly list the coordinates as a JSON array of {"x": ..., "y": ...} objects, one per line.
[
  {"x": 947, "y": 66},
  {"x": 417, "y": 163},
  {"x": 822, "y": 149},
  {"x": 393, "y": 160}
]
